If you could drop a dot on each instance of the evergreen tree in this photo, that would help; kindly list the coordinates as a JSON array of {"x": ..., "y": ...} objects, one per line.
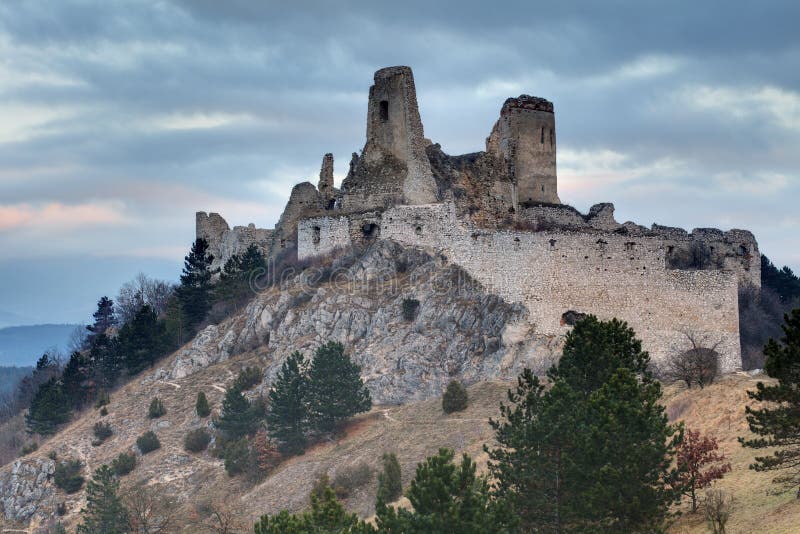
[
  {"x": 390, "y": 484},
  {"x": 239, "y": 273},
  {"x": 287, "y": 415},
  {"x": 593, "y": 451},
  {"x": 104, "y": 318},
  {"x": 49, "y": 408},
  {"x": 104, "y": 513},
  {"x": 201, "y": 405},
  {"x": 335, "y": 389},
  {"x": 76, "y": 380},
  {"x": 778, "y": 423},
  {"x": 142, "y": 340},
  {"x": 106, "y": 360},
  {"x": 326, "y": 515},
  {"x": 239, "y": 418},
  {"x": 194, "y": 293},
  {"x": 783, "y": 281},
  {"x": 445, "y": 498}
]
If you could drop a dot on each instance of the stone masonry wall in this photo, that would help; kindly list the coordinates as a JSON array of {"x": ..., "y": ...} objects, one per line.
[
  {"x": 225, "y": 242},
  {"x": 606, "y": 274}
]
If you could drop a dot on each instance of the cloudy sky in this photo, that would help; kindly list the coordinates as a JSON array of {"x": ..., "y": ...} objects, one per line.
[{"x": 120, "y": 119}]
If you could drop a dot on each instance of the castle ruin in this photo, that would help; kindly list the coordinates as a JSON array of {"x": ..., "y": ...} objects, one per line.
[{"x": 497, "y": 214}]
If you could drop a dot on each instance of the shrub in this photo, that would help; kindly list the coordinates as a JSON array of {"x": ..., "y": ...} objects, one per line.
[
  {"x": 248, "y": 378},
  {"x": 124, "y": 463},
  {"x": 156, "y": 409},
  {"x": 103, "y": 411},
  {"x": 102, "y": 431},
  {"x": 53, "y": 455},
  {"x": 350, "y": 478},
  {"x": 29, "y": 448},
  {"x": 718, "y": 508},
  {"x": 201, "y": 405},
  {"x": 68, "y": 476},
  {"x": 148, "y": 442},
  {"x": 454, "y": 398},
  {"x": 390, "y": 485},
  {"x": 698, "y": 365},
  {"x": 410, "y": 308},
  {"x": 323, "y": 482},
  {"x": 61, "y": 509},
  {"x": 102, "y": 399},
  {"x": 237, "y": 457},
  {"x": 197, "y": 440}
]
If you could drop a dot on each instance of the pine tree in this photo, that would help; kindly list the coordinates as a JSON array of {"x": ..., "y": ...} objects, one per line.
[
  {"x": 239, "y": 418},
  {"x": 778, "y": 424},
  {"x": 335, "y": 389},
  {"x": 287, "y": 415},
  {"x": 194, "y": 293},
  {"x": 49, "y": 408},
  {"x": 76, "y": 380},
  {"x": 594, "y": 450},
  {"x": 445, "y": 498},
  {"x": 326, "y": 515},
  {"x": 104, "y": 318},
  {"x": 106, "y": 360},
  {"x": 104, "y": 513},
  {"x": 201, "y": 405},
  {"x": 390, "y": 484},
  {"x": 142, "y": 340}
]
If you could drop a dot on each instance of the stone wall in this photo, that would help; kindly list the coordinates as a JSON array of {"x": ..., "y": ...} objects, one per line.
[
  {"x": 604, "y": 273},
  {"x": 225, "y": 242}
]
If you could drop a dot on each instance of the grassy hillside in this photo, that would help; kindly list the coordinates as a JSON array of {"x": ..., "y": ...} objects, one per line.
[{"x": 413, "y": 431}]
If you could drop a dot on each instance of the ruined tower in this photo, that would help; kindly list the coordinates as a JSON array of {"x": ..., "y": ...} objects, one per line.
[
  {"x": 325, "y": 186},
  {"x": 525, "y": 137},
  {"x": 393, "y": 167}
]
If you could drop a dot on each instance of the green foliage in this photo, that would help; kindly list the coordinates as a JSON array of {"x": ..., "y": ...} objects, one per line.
[
  {"x": 248, "y": 378},
  {"x": 102, "y": 431},
  {"x": 48, "y": 409},
  {"x": 29, "y": 448},
  {"x": 195, "y": 290},
  {"x": 68, "y": 476},
  {"x": 142, "y": 340},
  {"x": 156, "y": 409},
  {"x": 124, "y": 463},
  {"x": 103, "y": 399},
  {"x": 287, "y": 415},
  {"x": 201, "y": 405},
  {"x": 335, "y": 389},
  {"x": 238, "y": 457},
  {"x": 103, "y": 411},
  {"x": 778, "y": 423},
  {"x": 197, "y": 440},
  {"x": 76, "y": 380},
  {"x": 107, "y": 363},
  {"x": 239, "y": 417},
  {"x": 148, "y": 442},
  {"x": 593, "y": 451},
  {"x": 325, "y": 515},
  {"x": 104, "y": 512},
  {"x": 350, "y": 478},
  {"x": 104, "y": 318},
  {"x": 455, "y": 397},
  {"x": 783, "y": 281},
  {"x": 390, "y": 484},
  {"x": 445, "y": 498},
  {"x": 236, "y": 279},
  {"x": 410, "y": 308}
]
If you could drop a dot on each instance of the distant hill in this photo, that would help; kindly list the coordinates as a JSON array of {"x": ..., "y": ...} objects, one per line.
[
  {"x": 10, "y": 376},
  {"x": 22, "y": 345}
]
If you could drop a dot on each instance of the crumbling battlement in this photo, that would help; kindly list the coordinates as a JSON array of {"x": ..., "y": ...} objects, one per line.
[{"x": 497, "y": 214}]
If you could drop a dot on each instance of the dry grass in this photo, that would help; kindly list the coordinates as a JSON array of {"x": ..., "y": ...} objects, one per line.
[{"x": 413, "y": 431}]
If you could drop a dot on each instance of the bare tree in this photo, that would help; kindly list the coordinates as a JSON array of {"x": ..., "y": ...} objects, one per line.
[
  {"x": 151, "y": 509},
  {"x": 140, "y": 291},
  {"x": 78, "y": 339},
  {"x": 698, "y": 364},
  {"x": 718, "y": 507},
  {"x": 220, "y": 517}
]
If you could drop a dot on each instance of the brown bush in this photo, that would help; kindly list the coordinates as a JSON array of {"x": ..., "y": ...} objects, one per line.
[{"x": 350, "y": 478}]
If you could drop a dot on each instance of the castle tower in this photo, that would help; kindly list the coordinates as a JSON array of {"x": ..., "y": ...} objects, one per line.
[
  {"x": 394, "y": 129},
  {"x": 325, "y": 185},
  {"x": 525, "y": 136}
]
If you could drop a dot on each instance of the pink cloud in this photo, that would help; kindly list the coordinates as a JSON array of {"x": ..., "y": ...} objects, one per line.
[{"x": 58, "y": 216}]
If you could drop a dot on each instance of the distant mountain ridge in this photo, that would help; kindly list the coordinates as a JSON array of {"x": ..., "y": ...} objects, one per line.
[{"x": 22, "y": 345}]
